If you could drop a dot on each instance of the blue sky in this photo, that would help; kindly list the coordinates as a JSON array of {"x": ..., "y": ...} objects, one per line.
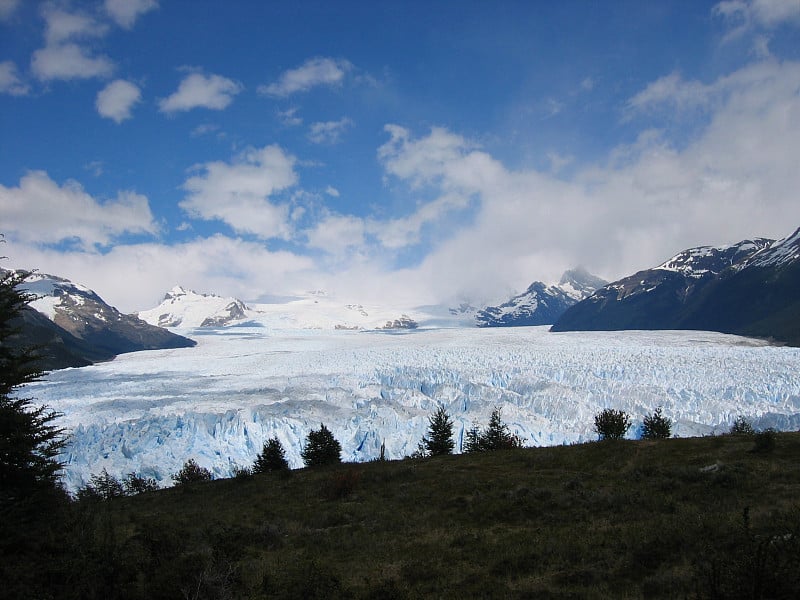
[{"x": 407, "y": 152}]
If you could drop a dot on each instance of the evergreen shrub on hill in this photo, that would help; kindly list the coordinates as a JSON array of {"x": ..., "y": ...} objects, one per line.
[
  {"x": 321, "y": 448},
  {"x": 611, "y": 424}
]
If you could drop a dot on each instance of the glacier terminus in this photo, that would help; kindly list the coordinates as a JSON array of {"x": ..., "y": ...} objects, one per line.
[{"x": 148, "y": 412}]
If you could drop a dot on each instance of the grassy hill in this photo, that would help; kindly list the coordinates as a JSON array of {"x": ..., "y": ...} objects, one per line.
[{"x": 704, "y": 517}]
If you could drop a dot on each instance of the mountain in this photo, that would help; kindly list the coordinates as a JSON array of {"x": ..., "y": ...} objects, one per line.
[
  {"x": 186, "y": 308},
  {"x": 749, "y": 288},
  {"x": 74, "y": 327},
  {"x": 541, "y": 304}
]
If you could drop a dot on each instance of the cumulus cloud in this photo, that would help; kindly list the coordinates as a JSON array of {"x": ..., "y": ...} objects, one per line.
[
  {"x": 201, "y": 91},
  {"x": 125, "y": 12},
  {"x": 328, "y": 132},
  {"x": 116, "y": 100},
  {"x": 40, "y": 211},
  {"x": 312, "y": 73},
  {"x": 10, "y": 83},
  {"x": 289, "y": 117},
  {"x": 65, "y": 54},
  {"x": 239, "y": 193},
  {"x": 336, "y": 234},
  {"x": 766, "y": 13}
]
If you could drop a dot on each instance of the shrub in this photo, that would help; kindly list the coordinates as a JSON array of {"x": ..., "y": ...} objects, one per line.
[
  {"x": 765, "y": 441},
  {"x": 101, "y": 487},
  {"x": 440, "y": 435},
  {"x": 272, "y": 458},
  {"x": 741, "y": 426},
  {"x": 321, "y": 448},
  {"x": 612, "y": 424},
  {"x": 656, "y": 426},
  {"x": 191, "y": 472},
  {"x": 242, "y": 472},
  {"x": 138, "y": 484}
]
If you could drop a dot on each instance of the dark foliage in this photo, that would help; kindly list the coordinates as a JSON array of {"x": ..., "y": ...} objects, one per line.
[
  {"x": 439, "y": 439},
  {"x": 764, "y": 441},
  {"x": 191, "y": 472},
  {"x": 138, "y": 484},
  {"x": 102, "y": 487},
  {"x": 272, "y": 458},
  {"x": 495, "y": 437},
  {"x": 741, "y": 426},
  {"x": 321, "y": 448},
  {"x": 656, "y": 426},
  {"x": 611, "y": 424}
]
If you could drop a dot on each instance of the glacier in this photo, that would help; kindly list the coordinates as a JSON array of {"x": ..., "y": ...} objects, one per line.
[{"x": 148, "y": 412}]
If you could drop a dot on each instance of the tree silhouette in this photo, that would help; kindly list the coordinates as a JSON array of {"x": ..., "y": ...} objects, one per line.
[
  {"x": 272, "y": 458},
  {"x": 440, "y": 435},
  {"x": 321, "y": 448}
]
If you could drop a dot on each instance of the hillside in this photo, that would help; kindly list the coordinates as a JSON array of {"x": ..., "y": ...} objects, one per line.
[{"x": 631, "y": 519}]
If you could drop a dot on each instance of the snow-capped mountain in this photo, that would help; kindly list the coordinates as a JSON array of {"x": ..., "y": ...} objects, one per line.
[
  {"x": 541, "y": 304},
  {"x": 82, "y": 327},
  {"x": 749, "y": 288},
  {"x": 187, "y": 308}
]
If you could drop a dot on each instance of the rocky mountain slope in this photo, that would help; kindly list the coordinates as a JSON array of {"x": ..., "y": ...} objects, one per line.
[
  {"x": 75, "y": 327},
  {"x": 541, "y": 304},
  {"x": 749, "y": 288}
]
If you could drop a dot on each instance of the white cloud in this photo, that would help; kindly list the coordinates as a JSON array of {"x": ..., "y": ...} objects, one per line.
[
  {"x": 7, "y": 8},
  {"x": 125, "y": 12},
  {"x": 10, "y": 83},
  {"x": 335, "y": 234},
  {"x": 39, "y": 211},
  {"x": 328, "y": 132},
  {"x": 238, "y": 193},
  {"x": 69, "y": 61},
  {"x": 201, "y": 91},
  {"x": 766, "y": 13},
  {"x": 289, "y": 117},
  {"x": 62, "y": 26},
  {"x": 312, "y": 73},
  {"x": 332, "y": 191},
  {"x": 135, "y": 277},
  {"x": 116, "y": 100}
]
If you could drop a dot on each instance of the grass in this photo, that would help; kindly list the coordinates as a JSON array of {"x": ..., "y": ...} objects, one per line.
[{"x": 703, "y": 517}]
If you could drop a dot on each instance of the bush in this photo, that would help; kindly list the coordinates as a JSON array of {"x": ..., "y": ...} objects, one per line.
[
  {"x": 191, "y": 472},
  {"x": 765, "y": 441},
  {"x": 321, "y": 448},
  {"x": 138, "y": 484},
  {"x": 656, "y": 426},
  {"x": 101, "y": 487},
  {"x": 440, "y": 435},
  {"x": 741, "y": 426},
  {"x": 612, "y": 424},
  {"x": 272, "y": 458}
]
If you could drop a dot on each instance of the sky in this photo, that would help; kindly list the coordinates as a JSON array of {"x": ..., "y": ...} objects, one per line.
[{"x": 400, "y": 153}]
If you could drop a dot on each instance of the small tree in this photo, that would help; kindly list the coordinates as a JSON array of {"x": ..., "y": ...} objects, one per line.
[
  {"x": 612, "y": 424},
  {"x": 102, "y": 487},
  {"x": 272, "y": 458},
  {"x": 496, "y": 437},
  {"x": 190, "y": 473},
  {"x": 741, "y": 426},
  {"x": 440, "y": 435},
  {"x": 656, "y": 426},
  {"x": 321, "y": 448},
  {"x": 138, "y": 484}
]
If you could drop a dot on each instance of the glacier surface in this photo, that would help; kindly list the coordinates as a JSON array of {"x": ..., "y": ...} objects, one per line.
[{"x": 148, "y": 412}]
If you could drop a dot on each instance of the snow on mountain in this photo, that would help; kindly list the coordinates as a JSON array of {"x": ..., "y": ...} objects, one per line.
[
  {"x": 541, "y": 304},
  {"x": 149, "y": 412},
  {"x": 779, "y": 254},
  {"x": 187, "y": 308},
  {"x": 84, "y": 327},
  {"x": 713, "y": 260}
]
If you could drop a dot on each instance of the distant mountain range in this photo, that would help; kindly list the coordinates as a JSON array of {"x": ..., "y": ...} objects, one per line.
[
  {"x": 750, "y": 288},
  {"x": 541, "y": 304},
  {"x": 73, "y": 327}
]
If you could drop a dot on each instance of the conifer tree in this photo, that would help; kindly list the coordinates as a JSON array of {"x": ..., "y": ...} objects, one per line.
[
  {"x": 496, "y": 437},
  {"x": 440, "y": 435},
  {"x": 656, "y": 426},
  {"x": 321, "y": 448},
  {"x": 611, "y": 424},
  {"x": 272, "y": 458}
]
